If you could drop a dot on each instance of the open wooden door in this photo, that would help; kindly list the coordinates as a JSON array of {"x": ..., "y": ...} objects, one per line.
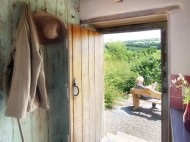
[{"x": 86, "y": 85}]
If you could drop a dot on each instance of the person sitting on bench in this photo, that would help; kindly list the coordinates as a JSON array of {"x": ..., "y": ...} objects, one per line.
[{"x": 139, "y": 85}]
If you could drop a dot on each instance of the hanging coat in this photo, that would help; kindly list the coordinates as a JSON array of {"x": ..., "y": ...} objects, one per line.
[{"x": 24, "y": 77}]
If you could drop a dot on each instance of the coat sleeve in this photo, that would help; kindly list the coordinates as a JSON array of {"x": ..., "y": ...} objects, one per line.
[
  {"x": 21, "y": 76},
  {"x": 42, "y": 88}
]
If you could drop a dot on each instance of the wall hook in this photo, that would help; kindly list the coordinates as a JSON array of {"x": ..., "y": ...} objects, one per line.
[
  {"x": 60, "y": 13},
  {"x": 44, "y": 9}
]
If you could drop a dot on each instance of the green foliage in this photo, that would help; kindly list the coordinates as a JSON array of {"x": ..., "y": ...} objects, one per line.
[
  {"x": 186, "y": 98},
  {"x": 110, "y": 96},
  {"x": 129, "y": 82},
  {"x": 145, "y": 43},
  {"x": 149, "y": 67},
  {"x": 122, "y": 66},
  {"x": 116, "y": 51},
  {"x": 117, "y": 80}
]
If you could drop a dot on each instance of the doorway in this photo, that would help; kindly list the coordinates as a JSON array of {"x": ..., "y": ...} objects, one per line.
[
  {"x": 164, "y": 65},
  {"x": 126, "y": 57},
  {"x": 79, "y": 75}
]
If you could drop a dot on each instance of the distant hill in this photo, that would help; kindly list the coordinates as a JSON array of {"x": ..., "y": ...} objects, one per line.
[{"x": 144, "y": 43}]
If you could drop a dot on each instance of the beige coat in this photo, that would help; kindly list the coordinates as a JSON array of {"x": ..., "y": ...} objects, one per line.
[{"x": 24, "y": 78}]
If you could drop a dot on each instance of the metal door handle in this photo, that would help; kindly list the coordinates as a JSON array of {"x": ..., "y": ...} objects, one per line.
[{"x": 75, "y": 88}]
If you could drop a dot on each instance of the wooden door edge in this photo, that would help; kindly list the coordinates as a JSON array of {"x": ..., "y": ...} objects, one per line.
[{"x": 70, "y": 92}]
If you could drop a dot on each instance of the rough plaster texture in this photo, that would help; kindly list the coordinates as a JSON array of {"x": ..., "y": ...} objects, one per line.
[
  {"x": 95, "y": 8},
  {"x": 179, "y": 39}
]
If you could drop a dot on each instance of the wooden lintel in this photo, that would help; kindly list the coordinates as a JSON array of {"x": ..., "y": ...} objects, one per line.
[
  {"x": 88, "y": 27},
  {"x": 133, "y": 14},
  {"x": 133, "y": 27}
]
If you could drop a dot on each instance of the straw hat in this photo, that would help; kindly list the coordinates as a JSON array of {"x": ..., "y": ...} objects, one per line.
[{"x": 50, "y": 28}]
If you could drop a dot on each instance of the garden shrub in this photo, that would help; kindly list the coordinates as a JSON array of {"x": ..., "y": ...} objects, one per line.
[{"x": 123, "y": 65}]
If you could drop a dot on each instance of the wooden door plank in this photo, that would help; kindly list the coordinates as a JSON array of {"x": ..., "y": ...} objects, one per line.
[
  {"x": 77, "y": 75},
  {"x": 101, "y": 85},
  {"x": 70, "y": 29},
  {"x": 97, "y": 85},
  {"x": 85, "y": 86},
  {"x": 92, "y": 88}
]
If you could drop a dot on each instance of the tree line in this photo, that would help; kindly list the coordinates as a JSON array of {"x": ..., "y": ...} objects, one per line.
[{"x": 123, "y": 64}]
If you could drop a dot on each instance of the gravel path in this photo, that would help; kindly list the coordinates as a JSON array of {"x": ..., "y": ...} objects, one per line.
[{"x": 144, "y": 123}]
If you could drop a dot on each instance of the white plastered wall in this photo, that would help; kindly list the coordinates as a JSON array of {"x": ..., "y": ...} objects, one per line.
[
  {"x": 179, "y": 39},
  {"x": 178, "y": 25},
  {"x": 96, "y": 8}
]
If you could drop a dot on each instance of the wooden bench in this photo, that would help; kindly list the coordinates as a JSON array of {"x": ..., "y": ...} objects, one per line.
[
  {"x": 154, "y": 95},
  {"x": 155, "y": 101}
]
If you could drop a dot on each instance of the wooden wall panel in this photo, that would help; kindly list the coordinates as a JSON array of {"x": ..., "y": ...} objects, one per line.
[
  {"x": 40, "y": 126},
  {"x": 73, "y": 11},
  {"x": 55, "y": 88},
  {"x": 40, "y": 119},
  {"x": 61, "y": 10},
  {"x": 6, "y": 124}
]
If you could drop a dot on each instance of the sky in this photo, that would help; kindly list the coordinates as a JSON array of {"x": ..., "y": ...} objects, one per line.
[{"x": 132, "y": 35}]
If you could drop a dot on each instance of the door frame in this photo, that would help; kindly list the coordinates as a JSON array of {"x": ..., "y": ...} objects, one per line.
[{"x": 162, "y": 25}]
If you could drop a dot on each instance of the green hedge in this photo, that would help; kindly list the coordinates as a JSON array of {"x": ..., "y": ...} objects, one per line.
[{"x": 123, "y": 65}]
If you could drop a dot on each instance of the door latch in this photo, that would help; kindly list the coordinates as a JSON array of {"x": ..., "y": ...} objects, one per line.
[{"x": 75, "y": 88}]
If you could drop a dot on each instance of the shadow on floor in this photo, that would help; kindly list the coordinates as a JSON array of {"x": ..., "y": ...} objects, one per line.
[{"x": 147, "y": 113}]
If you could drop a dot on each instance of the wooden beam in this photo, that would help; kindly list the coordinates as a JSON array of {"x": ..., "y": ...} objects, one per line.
[
  {"x": 118, "y": 1},
  {"x": 133, "y": 14},
  {"x": 88, "y": 27},
  {"x": 132, "y": 28},
  {"x": 130, "y": 21}
]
